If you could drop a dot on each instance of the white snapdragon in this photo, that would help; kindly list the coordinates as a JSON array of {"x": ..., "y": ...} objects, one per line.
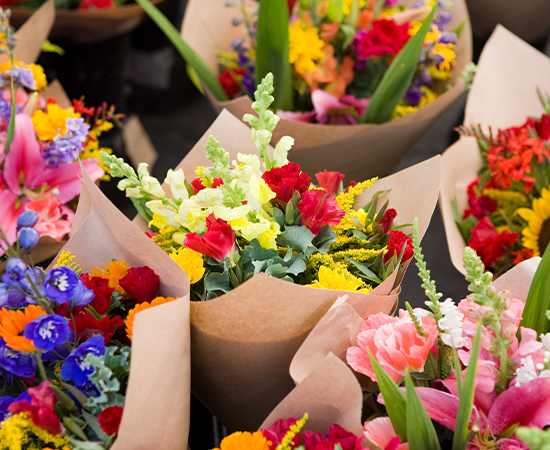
[
  {"x": 260, "y": 137},
  {"x": 526, "y": 372},
  {"x": 452, "y": 322},
  {"x": 176, "y": 181},
  {"x": 167, "y": 213},
  {"x": 280, "y": 155},
  {"x": 252, "y": 161},
  {"x": 149, "y": 184},
  {"x": 207, "y": 198}
]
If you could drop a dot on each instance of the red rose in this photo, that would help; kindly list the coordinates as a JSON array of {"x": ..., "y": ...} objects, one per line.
[
  {"x": 88, "y": 326},
  {"x": 141, "y": 284},
  {"x": 218, "y": 242},
  {"x": 489, "y": 244},
  {"x": 102, "y": 291},
  {"x": 285, "y": 180},
  {"x": 396, "y": 242},
  {"x": 109, "y": 419},
  {"x": 228, "y": 82},
  {"x": 384, "y": 38},
  {"x": 479, "y": 206},
  {"x": 386, "y": 222},
  {"x": 318, "y": 209},
  {"x": 330, "y": 181},
  {"x": 41, "y": 409},
  {"x": 197, "y": 185}
]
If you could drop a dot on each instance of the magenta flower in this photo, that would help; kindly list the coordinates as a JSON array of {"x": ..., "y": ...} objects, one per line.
[{"x": 346, "y": 110}]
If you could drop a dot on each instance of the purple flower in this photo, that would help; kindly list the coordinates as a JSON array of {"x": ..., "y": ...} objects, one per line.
[
  {"x": 65, "y": 149},
  {"x": 60, "y": 284},
  {"x": 413, "y": 95},
  {"x": 47, "y": 332},
  {"x": 82, "y": 295},
  {"x": 75, "y": 368},
  {"x": 11, "y": 297},
  {"x": 15, "y": 272},
  {"x": 25, "y": 78},
  {"x": 442, "y": 19},
  {"x": 16, "y": 363},
  {"x": 28, "y": 238},
  {"x": 28, "y": 286},
  {"x": 27, "y": 219},
  {"x": 5, "y": 110}
]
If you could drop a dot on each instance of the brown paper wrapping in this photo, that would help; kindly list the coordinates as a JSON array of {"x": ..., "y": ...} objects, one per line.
[
  {"x": 528, "y": 19},
  {"x": 156, "y": 414},
  {"x": 503, "y": 94},
  {"x": 362, "y": 151},
  {"x": 243, "y": 342},
  {"x": 90, "y": 26}
]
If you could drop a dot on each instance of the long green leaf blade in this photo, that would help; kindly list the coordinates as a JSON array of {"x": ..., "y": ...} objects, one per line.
[
  {"x": 398, "y": 77},
  {"x": 466, "y": 398},
  {"x": 420, "y": 429},
  {"x": 394, "y": 398},
  {"x": 538, "y": 300},
  {"x": 272, "y": 51},
  {"x": 191, "y": 56}
]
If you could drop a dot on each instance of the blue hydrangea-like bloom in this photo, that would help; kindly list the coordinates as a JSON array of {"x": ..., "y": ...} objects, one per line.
[
  {"x": 15, "y": 272},
  {"x": 82, "y": 296},
  {"x": 28, "y": 238},
  {"x": 75, "y": 367},
  {"x": 27, "y": 219},
  {"x": 65, "y": 149},
  {"x": 47, "y": 332},
  {"x": 11, "y": 297},
  {"x": 60, "y": 283},
  {"x": 16, "y": 363}
]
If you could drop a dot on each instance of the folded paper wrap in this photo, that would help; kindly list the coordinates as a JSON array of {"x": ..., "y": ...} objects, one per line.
[
  {"x": 359, "y": 151},
  {"x": 503, "y": 94}
]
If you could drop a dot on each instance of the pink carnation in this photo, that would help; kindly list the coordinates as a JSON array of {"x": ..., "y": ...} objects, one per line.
[
  {"x": 395, "y": 344},
  {"x": 55, "y": 219}
]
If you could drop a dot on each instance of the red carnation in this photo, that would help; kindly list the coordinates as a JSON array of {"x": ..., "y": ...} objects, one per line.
[
  {"x": 285, "y": 180},
  {"x": 197, "y": 185},
  {"x": 384, "y": 38},
  {"x": 386, "y": 222},
  {"x": 229, "y": 83},
  {"x": 489, "y": 244},
  {"x": 396, "y": 242},
  {"x": 218, "y": 242},
  {"x": 102, "y": 293},
  {"x": 330, "y": 181},
  {"x": 109, "y": 419},
  {"x": 88, "y": 326},
  {"x": 96, "y": 4},
  {"x": 41, "y": 409},
  {"x": 318, "y": 209},
  {"x": 141, "y": 284},
  {"x": 479, "y": 206}
]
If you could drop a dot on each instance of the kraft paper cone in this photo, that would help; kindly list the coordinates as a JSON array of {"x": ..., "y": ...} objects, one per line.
[
  {"x": 518, "y": 279},
  {"x": 508, "y": 73},
  {"x": 243, "y": 342},
  {"x": 156, "y": 414},
  {"x": 359, "y": 151},
  {"x": 528, "y": 19}
]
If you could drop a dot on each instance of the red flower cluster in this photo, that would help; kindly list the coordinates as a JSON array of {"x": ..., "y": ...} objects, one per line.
[
  {"x": 386, "y": 222},
  {"x": 109, "y": 419},
  {"x": 96, "y": 4},
  {"x": 318, "y": 209},
  {"x": 489, "y": 244},
  {"x": 384, "y": 38},
  {"x": 479, "y": 206},
  {"x": 88, "y": 326},
  {"x": 396, "y": 242},
  {"x": 285, "y": 180},
  {"x": 330, "y": 181},
  {"x": 102, "y": 293},
  {"x": 197, "y": 185},
  {"x": 141, "y": 284},
  {"x": 542, "y": 127},
  {"x": 229, "y": 83},
  {"x": 218, "y": 242}
]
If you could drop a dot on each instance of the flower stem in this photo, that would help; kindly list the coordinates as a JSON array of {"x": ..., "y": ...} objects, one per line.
[
  {"x": 41, "y": 367},
  {"x": 11, "y": 124}
]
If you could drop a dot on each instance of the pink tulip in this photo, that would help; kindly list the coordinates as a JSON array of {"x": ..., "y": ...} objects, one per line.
[{"x": 380, "y": 431}]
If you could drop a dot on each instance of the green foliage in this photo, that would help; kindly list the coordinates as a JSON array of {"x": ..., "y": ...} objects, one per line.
[
  {"x": 298, "y": 238},
  {"x": 335, "y": 11},
  {"x": 534, "y": 437},
  {"x": 538, "y": 299}
]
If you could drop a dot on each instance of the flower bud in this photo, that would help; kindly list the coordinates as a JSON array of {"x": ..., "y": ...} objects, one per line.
[
  {"x": 27, "y": 219},
  {"x": 28, "y": 238},
  {"x": 15, "y": 271}
]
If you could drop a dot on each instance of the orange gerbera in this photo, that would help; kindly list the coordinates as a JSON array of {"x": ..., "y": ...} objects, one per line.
[
  {"x": 115, "y": 271},
  {"x": 14, "y": 322},
  {"x": 129, "y": 322}
]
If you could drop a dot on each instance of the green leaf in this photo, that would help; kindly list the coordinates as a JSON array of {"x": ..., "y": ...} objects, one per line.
[
  {"x": 272, "y": 51},
  {"x": 195, "y": 79},
  {"x": 464, "y": 225},
  {"x": 297, "y": 237},
  {"x": 217, "y": 282},
  {"x": 420, "y": 429},
  {"x": 394, "y": 398},
  {"x": 398, "y": 77},
  {"x": 141, "y": 208},
  {"x": 93, "y": 422},
  {"x": 466, "y": 398},
  {"x": 255, "y": 252},
  {"x": 324, "y": 239},
  {"x": 191, "y": 56},
  {"x": 335, "y": 11},
  {"x": 369, "y": 274},
  {"x": 276, "y": 270},
  {"x": 538, "y": 300}
]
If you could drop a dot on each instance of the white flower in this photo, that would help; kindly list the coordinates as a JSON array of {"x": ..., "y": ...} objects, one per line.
[
  {"x": 260, "y": 137},
  {"x": 249, "y": 160},
  {"x": 158, "y": 208},
  {"x": 142, "y": 170},
  {"x": 152, "y": 186},
  {"x": 545, "y": 338},
  {"x": 176, "y": 180},
  {"x": 206, "y": 198},
  {"x": 452, "y": 322},
  {"x": 527, "y": 372},
  {"x": 280, "y": 156}
]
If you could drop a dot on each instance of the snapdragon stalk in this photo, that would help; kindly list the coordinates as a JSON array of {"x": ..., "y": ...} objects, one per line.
[{"x": 11, "y": 125}]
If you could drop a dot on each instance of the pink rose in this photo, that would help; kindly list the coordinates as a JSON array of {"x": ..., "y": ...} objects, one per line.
[{"x": 395, "y": 344}]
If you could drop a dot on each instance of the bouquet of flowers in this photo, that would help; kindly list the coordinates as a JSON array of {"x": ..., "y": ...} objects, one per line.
[
  {"x": 251, "y": 238},
  {"x": 42, "y": 142},
  {"x": 65, "y": 339},
  {"x": 496, "y": 176},
  {"x": 335, "y": 63}
]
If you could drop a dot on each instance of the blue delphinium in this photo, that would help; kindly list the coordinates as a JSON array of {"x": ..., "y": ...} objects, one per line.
[
  {"x": 10, "y": 297},
  {"x": 75, "y": 367},
  {"x": 60, "y": 284},
  {"x": 28, "y": 238},
  {"x": 16, "y": 363},
  {"x": 47, "y": 332},
  {"x": 82, "y": 296},
  {"x": 27, "y": 219},
  {"x": 15, "y": 272}
]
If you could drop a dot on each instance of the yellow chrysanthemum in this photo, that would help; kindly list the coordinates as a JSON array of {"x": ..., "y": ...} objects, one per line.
[
  {"x": 39, "y": 76},
  {"x": 244, "y": 440},
  {"x": 52, "y": 122},
  {"x": 115, "y": 271},
  {"x": 305, "y": 47},
  {"x": 537, "y": 233},
  {"x": 339, "y": 280},
  {"x": 129, "y": 322},
  {"x": 18, "y": 432},
  {"x": 346, "y": 7},
  {"x": 191, "y": 262}
]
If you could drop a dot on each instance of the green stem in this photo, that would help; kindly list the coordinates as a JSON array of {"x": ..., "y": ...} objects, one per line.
[
  {"x": 11, "y": 124},
  {"x": 41, "y": 367},
  {"x": 5, "y": 239}
]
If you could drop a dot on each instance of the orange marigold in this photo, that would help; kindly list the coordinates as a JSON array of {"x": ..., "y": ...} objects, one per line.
[
  {"x": 245, "y": 441},
  {"x": 129, "y": 322},
  {"x": 115, "y": 271},
  {"x": 14, "y": 322}
]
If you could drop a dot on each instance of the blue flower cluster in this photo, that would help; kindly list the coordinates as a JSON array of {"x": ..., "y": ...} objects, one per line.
[{"x": 64, "y": 149}]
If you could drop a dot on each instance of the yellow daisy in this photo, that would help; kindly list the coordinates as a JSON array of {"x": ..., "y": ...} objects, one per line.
[
  {"x": 305, "y": 47},
  {"x": 537, "y": 233},
  {"x": 191, "y": 262}
]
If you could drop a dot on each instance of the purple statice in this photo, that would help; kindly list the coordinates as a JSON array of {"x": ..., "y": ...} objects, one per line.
[
  {"x": 5, "y": 109},
  {"x": 47, "y": 332},
  {"x": 442, "y": 19},
  {"x": 60, "y": 284},
  {"x": 75, "y": 367},
  {"x": 17, "y": 363},
  {"x": 448, "y": 37},
  {"x": 21, "y": 76},
  {"x": 66, "y": 148}
]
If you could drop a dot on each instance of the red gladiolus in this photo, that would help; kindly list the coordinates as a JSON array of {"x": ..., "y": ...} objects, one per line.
[
  {"x": 384, "y": 38},
  {"x": 197, "y": 185},
  {"x": 386, "y": 221},
  {"x": 479, "y": 206},
  {"x": 228, "y": 82},
  {"x": 318, "y": 209},
  {"x": 141, "y": 284},
  {"x": 42, "y": 412},
  {"x": 109, "y": 419},
  {"x": 489, "y": 244},
  {"x": 102, "y": 293},
  {"x": 218, "y": 242},
  {"x": 330, "y": 181},
  {"x": 396, "y": 242},
  {"x": 88, "y": 326},
  {"x": 285, "y": 180}
]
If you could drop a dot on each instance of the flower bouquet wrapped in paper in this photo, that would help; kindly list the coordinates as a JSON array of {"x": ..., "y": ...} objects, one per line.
[
  {"x": 495, "y": 188},
  {"x": 383, "y": 69},
  {"x": 270, "y": 252},
  {"x": 81, "y": 342}
]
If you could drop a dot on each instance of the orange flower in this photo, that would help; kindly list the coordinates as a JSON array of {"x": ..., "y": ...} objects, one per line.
[
  {"x": 344, "y": 77},
  {"x": 245, "y": 441},
  {"x": 14, "y": 322},
  {"x": 129, "y": 322},
  {"x": 114, "y": 272}
]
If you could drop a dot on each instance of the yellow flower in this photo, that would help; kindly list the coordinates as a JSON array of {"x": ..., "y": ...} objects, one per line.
[
  {"x": 287, "y": 443},
  {"x": 67, "y": 259},
  {"x": 245, "y": 441},
  {"x": 52, "y": 122},
  {"x": 305, "y": 46},
  {"x": 267, "y": 238},
  {"x": 91, "y": 150},
  {"x": 346, "y": 199},
  {"x": 346, "y": 7},
  {"x": 339, "y": 280},
  {"x": 115, "y": 271},
  {"x": 191, "y": 262},
  {"x": 446, "y": 51},
  {"x": 39, "y": 76},
  {"x": 537, "y": 233},
  {"x": 18, "y": 432}
]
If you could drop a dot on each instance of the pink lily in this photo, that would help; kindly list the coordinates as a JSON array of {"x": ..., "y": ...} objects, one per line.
[
  {"x": 346, "y": 110},
  {"x": 292, "y": 116},
  {"x": 25, "y": 176}
]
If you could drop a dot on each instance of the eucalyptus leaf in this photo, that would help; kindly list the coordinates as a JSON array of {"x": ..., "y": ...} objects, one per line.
[
  {"x": 276, "y": 270},
  {"x": 324, "y": 239},
  {"x": 297, "y": 237},
  {"x": 216, "y": 281}
]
